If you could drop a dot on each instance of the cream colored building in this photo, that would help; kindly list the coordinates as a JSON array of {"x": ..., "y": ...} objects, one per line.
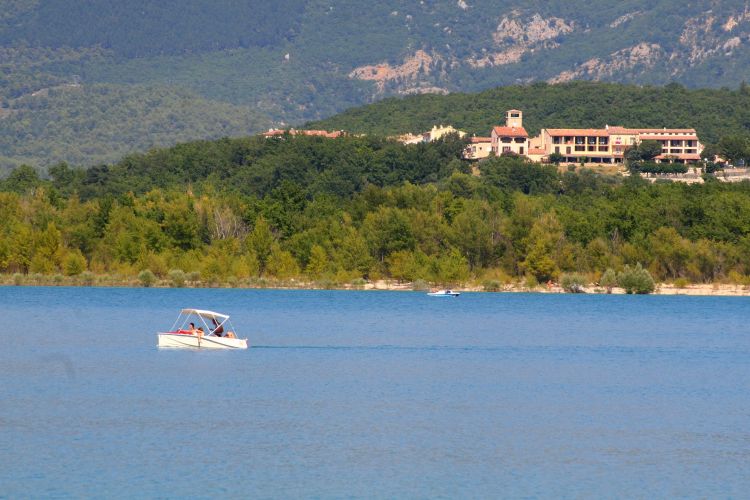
[
  {"x": 438, "y": 132},
  {"x": 478, "y": 148},
  {"x": 512, "y": 138},
  {"x": 607, "y": 145}
]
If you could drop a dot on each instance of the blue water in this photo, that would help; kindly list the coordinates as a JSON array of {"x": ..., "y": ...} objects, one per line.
[{"x": 375, "y": 394}]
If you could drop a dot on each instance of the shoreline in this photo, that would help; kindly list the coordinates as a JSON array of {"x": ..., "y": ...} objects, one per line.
[{"x": 703, "y": 289}]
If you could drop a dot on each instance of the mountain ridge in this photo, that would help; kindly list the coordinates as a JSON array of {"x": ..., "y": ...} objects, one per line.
[{"x": 294, "y": 61}]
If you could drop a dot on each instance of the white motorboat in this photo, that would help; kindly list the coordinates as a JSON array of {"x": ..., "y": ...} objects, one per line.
[
  {"x": 444, "y": 293},
  {"x": 220, "y": 334}
]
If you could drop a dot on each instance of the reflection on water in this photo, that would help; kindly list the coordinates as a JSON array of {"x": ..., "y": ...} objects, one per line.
[{"x": 375, "y": 394}]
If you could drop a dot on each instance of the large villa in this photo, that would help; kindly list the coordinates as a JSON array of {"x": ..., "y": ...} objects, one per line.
[{"x": 582, "y": 145}]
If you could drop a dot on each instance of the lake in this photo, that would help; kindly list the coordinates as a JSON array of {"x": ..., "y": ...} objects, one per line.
[{"x": 375, "y": 394}]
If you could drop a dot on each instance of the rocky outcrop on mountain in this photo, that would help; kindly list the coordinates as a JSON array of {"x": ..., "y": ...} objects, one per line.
[
  {"x": 407, "y": 74},
  {"x": 644, "y": 54},
  {"x": 514, "y": 37},
  {"x": 707, "y": 35}
]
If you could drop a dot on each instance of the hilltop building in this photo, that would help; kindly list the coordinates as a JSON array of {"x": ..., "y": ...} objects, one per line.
[
  {"x": 438, "y": 132},
  {"x": 591, "y": 146},
  {"x": 317, "y": 133},
  {"x": 608, "y": 145},
  {"x": 478, "y": 148},
  {"x": 512, "y": 138}
]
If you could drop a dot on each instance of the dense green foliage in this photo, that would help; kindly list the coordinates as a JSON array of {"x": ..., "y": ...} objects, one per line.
[
  {"x": 712, "y": 112},
  {"x": 337, "y": 211}
]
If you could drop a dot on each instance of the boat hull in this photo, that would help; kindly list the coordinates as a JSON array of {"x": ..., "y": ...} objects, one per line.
[
  {"x": 178, "y": 340},
  {"x": 438, "y": 294}
]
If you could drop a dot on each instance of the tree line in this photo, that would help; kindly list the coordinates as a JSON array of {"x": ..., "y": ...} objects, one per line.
[{"x": 363, "y": 208}]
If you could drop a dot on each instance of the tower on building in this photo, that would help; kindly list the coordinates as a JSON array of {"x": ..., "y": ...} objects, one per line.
[{"x": 514, "y": 118}]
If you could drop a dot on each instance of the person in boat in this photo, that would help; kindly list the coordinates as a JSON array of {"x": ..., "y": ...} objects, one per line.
[
  {"x": 199, "y": 331},
  {"x": 218, "y": 329},
  {"x": 192, "y": 329}
]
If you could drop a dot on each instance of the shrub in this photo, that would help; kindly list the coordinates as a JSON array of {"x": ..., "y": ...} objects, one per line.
[
  {"x": 608, "y": 280},
  {"x": 574, "y": 282},
  {"x": 492, "y": 286},
  {"x": 636, "y": 280},
  {"x": 193, "y": 277},
  {"x": 147, "y": 278},
  {"x": 325, "y": 284},
  {"x": 681, "y": 283},
  {"x": 358, "y": 283},
  {"x": 87, "y": 278},
  {"x": 57, "y": 279},
  {"x": 74, "y": 263},
  {"x": 177, "y": 277},
  {"x": 18, "y": 279},
  {"x": 420, "y": 285}
]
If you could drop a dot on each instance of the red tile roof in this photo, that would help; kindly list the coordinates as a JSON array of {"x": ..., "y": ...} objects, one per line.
[
  {"x": 655, "y": 137},
  {"x": 481, "y": 139},
  {"x": 510, "y": 131},
  {"x": 595, "y": 132},
  {"x": 634, "y": 131}
]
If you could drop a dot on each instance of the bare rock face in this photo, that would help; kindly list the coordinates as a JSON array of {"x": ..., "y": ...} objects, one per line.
[
  {"x": 515, "y": 36},
  {"x": 644, "y": 55},
  {"x": 420, "y": 63},
  {"x": 706, "y": 35}
]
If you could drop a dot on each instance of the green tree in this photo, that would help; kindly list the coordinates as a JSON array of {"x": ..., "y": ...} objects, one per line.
[
  {"x": 74, "y": 263},
  {"x": 317, "y": 263},
  {"x": 21, "y": 180},
  {"x": 556, "y": 158},
  {"x": 649, "y": 149},
  {"x": 282, "y": 264},
  {"x": 260, "y": 241},
  {"x": 451, "y": 268},
  {"x": 734, "y": 147},
  {"x": 636, "y": 280}
]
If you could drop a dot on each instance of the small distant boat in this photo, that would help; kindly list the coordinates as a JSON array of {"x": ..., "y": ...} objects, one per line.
[
  {"x": 444, "y": 293},
  {"x": 220, "y": 334}
]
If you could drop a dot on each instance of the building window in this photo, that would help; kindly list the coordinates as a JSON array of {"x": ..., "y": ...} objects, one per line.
[
  {"x": 555, "y": 140},
  {"x": 557, "y": 149}
]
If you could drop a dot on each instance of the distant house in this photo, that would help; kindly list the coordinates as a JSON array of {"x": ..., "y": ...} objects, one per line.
[
  {"x": 478, "y": 148},
  {"x": 438, "y": 132},
  {"x": 512, "y": 138},
  {"x": 315, "y": 133}
]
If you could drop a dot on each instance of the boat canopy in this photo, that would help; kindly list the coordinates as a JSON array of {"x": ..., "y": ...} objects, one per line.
[{"x": 206, "y": 314}]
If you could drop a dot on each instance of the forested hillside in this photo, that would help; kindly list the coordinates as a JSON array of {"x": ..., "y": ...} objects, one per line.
[
  {"x": 299, "y": 60},
  {"x": 257, "y": 211},
  {"x": 712, "y": 112},
  {"x": 91, "y": 124}
]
